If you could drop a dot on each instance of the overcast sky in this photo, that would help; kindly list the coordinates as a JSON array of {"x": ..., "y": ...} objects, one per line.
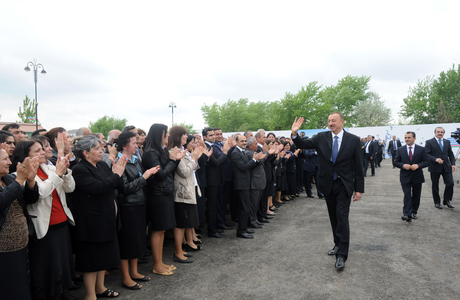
[{"x": 130, "y": 59}]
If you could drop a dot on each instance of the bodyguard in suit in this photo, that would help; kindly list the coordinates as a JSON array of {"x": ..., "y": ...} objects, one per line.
[
  {"x": 370, "y": 152},
  {"x": 310, "y": 171},
  {"x": 411, "y": 159},
  {"x": 442, "y": 162},
  {"x": 340, "y": 176},
  {"x": 213, "y": 180},
  {"x": 241, "y": 166},
  {"x": 393, "y": 145}
]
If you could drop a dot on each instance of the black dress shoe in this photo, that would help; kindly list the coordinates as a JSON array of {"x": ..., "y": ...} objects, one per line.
[
  {"x": 272, "y": 214},
  {"x": 448, "y": 204},
  {"x": 229, "y": 224},
  {"x": 437, "y": 205},
  {"x": 225, "y": 227},
  {"x": 142, "y": 260},
  {"x": 250, "y": 231},
  {"x": 320, "y": 196},
  {"x": 406, "y": 218},
  {"x": 268, "y": 217},
  {"x": 189, "y": 248},
  {"x": 333, "y": 251},
  {"x": 259, "y": 223},
  {"x": 217, "y": 235},
  {"x": 340, "y": 263},
  {"x": 220, "y": 230},
  {"x": 364, "y": 175},
  {"x": 414, "y": 216},
  {"x": 244, "y": 235},
  {"x": 263, "y": 220},
  {"x": 310, "y": 196},
  {"x": 255, "y": 226},
  {"x": 373, "y": 175}
]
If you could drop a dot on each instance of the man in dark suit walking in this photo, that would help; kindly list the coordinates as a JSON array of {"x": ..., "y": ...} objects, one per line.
[
  {"x": 340, "y": 176},
  {"x": 370, "y": 151},
  {"x": 411, "y": 159},
  {"x": 442, "y": 162},
  {"x": 393, "y": 145},
  {"x": 241, "y": 166}
]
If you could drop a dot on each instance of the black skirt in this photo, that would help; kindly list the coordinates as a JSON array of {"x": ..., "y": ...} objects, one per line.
[
  {"x": 14, "y": 275},
  {"x": 291, "y": 184},
  {"x": 271, "y": 188},
  {"x": 161, "y": 212},
  {"x": 186, "y": 215},
  {"x": 131, "y": 236},
  {"x": 51, "y": 262},
  {"x": 93, "y": 257}
]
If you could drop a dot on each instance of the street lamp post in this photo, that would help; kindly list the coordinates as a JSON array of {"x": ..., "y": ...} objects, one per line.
[
  {"x": 172, "y": 105},
  {"x": 35, "y": 67}
]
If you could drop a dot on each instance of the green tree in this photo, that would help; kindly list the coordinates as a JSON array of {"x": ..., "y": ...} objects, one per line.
[
  {"x": 432, "y": 99},
  {"x": 106, "y": 124},
  {"x": 188, "y": 127},
  {"x": 28, "y": 110},
  {"x": 372, "y": 112}
]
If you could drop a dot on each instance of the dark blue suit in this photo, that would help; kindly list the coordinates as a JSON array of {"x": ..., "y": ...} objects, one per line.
[
  {"x": 310, "y": 170},
  {"x": 225, "y": 186}
]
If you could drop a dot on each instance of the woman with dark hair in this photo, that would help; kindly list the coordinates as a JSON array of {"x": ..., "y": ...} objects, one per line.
[
  {"x": 7, "y": 138},
  {"x": 16, "y": 225},
  {"x": 280, "y": 173},
  {"x": 132, "y": 207},
  {"x": 46, "y": 147},
  {"x": 61, "y": 143},
  {"x": 160, "y": 191},
  {"x": 291, "y": 188},
  {"x": 185, "y": 209},
  {"x": 141, "y": 140},
  {"x": 95, "y": 213},
  {"x": 51, "y": 260}
]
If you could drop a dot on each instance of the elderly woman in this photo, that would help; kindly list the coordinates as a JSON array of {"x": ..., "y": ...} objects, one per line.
[
  {"x": 160, "y": 191},
  {"x": 95, "y": 213},
  {"x": 132, "y": 201},
  {"x": 7, "y": 138},
  {"x": 185, "y": 209},
  {"x": 51, "y": 261},
  {"x": 16, "y": 225}
]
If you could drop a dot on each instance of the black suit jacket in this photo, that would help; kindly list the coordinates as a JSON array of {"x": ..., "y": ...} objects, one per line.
[
  {"x": 348, "y": 165},
  {"x": 213, "y": 172},
  {"x": 433, "y": 151},
  {"x": 419, "y": 157},
  {"x": 391, "y": 146},
  {"x": 241, "y": 166},
  {"x": 94, "y": 202}
]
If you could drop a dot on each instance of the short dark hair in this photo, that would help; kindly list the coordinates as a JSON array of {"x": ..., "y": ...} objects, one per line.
[
  {"x": 190, "y": 137},
  {"x": 123, "y": 139},
  {"x": 338, "y": 113},
  {"x": 271, "y": 133},
  {"x": 129, "y": 127},
  {"x": 4, "y": 134},
  {"x": 37, "y": 132},
  {"x": 246, "y": 133},
  {"x": 217, "y": 129},
  {"x": 41, "y": 138},
  {"x": 441, "y": 128},
  {"x": 21, "y": 152},
  {"x": 206, "y": 130},
  {"x": 11, "y": 125},
  {"x": 411, "y": 132}
]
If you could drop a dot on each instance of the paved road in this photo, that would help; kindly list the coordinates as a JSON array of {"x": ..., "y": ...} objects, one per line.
[{"x": 287, "y": 259}]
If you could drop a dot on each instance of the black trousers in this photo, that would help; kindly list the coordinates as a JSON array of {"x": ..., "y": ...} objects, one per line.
[
  {"x": 367, "y": 159},
  {"x": 243, "y": 210},
  {"x": 307, "y": 182},
  {"x": 212, "y": 195},
  {"x": 263, "y": 203},
  {"x": 224, "y": 194},
  {"x": 254, "y": 199},
  {"x": 448, "y": 190},
  {"x": 412, "y": 192},
  {"x": 393, "y": 154},
  {"x": 338, "y": 207}
]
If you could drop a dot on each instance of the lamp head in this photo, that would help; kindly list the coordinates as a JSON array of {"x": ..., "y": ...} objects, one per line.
[
  {"x": 27, "y": 68},
  {"x": 43, "y": 71}
]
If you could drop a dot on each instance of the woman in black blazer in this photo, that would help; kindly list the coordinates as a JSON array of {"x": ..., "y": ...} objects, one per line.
[
  {"x": 160, "y": 191},
  {"x": 16, "y": 225},
  {"x": 95, "y": 214}
]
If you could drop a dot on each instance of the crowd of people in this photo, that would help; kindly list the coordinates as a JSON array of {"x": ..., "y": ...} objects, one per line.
[{"x": 87, "y": 204}]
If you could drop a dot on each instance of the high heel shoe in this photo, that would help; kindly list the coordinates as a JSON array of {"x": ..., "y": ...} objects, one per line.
[{"x": 198, "y": 242}]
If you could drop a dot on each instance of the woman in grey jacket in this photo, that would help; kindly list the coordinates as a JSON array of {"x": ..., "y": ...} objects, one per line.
[{"x": 131, "y": 237}]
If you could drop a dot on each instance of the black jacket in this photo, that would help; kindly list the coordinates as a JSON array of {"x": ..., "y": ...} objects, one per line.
[
  {"x": 14, "y": 191},
  {"x": 94, "y": 202},
  {"x": 162, "y": 183},
  {"x": 133, "y": 185},
  {"x": 213, "y": 172}
]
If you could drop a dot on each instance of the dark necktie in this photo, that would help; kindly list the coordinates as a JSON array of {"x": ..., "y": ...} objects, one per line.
[
  {"x": 335, "y": 151},
  {"x": 410, "y": 153},
  {"x": 440, "y": 145},
  {"x": 394, "y": 144}
]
